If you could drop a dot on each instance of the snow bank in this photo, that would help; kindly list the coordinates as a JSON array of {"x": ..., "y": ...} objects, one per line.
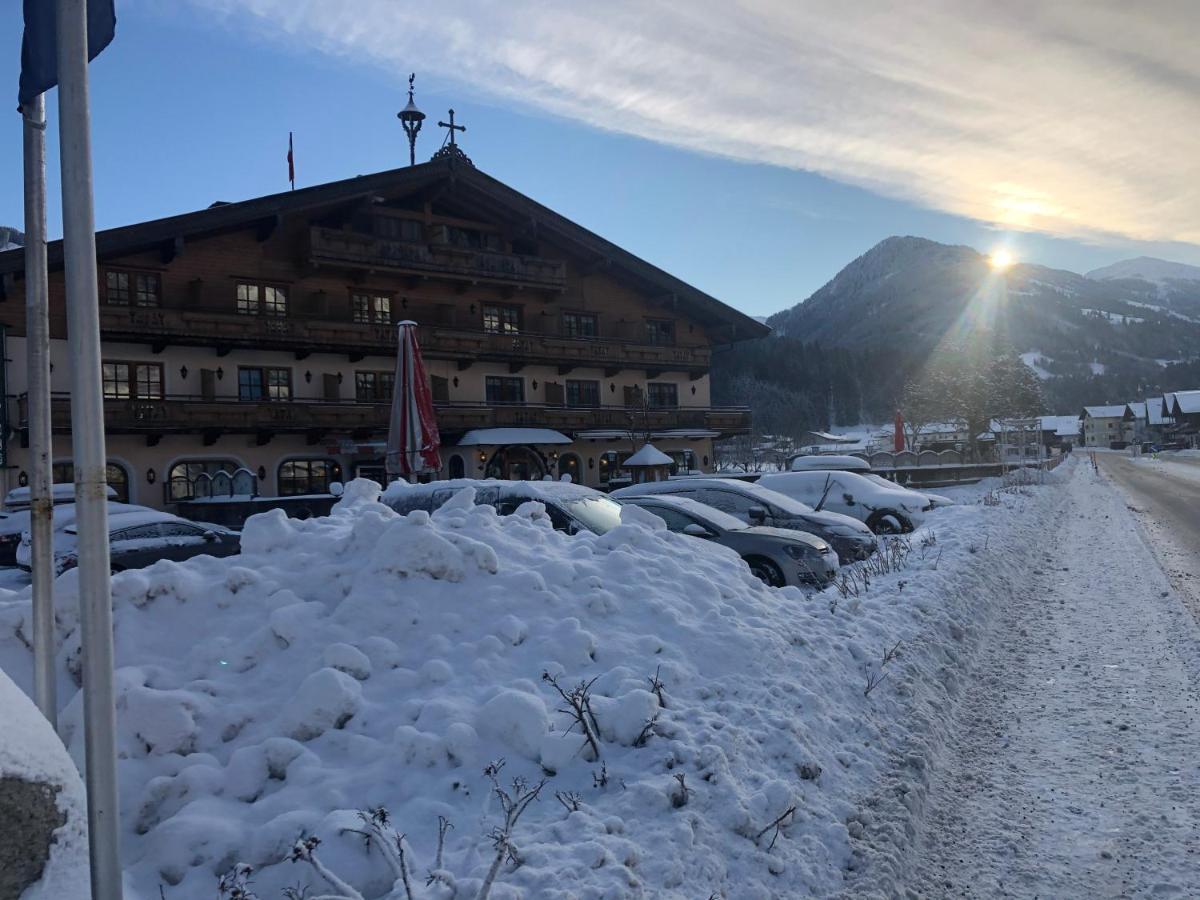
[
  {"x": 368, "y": 659},
  {"x": 32, "y": 754}
]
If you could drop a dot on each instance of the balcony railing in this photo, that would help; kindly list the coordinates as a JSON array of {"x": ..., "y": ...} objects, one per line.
[
  {"x": 188, "y": 414},
  {"x": 440, "y": 336},
  {"x": 331, "y": 245}
]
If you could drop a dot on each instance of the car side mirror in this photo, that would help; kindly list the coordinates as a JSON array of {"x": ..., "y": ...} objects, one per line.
[
  {"x": 695, "y": 529},
  {"x": 756, "y": 514},
  {"x": 210, "y": 536}
]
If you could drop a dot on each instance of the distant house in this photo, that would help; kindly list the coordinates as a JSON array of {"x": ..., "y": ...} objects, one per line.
[
  {"x": 1136, "y": 426},
  {"x": 1185, "y": 410},
  {"x": 1158, "y": 419},
  {"x": 1059, "y": 431},
  {"x": 1103, "y": 426}
]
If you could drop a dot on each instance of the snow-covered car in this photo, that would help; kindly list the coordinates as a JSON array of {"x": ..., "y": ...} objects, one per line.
[
  {"x": 935, "y": 501},
  {"x": 137, "y": 537},
  {"x": 884, "y": 509},
  {"x": 16, "y": 515},
  {"x": 829, "y": 463},
  {"x": 776, "y": 556},
  {"x": 757, "y": 505},
  {"x": 571, "y": 507}
]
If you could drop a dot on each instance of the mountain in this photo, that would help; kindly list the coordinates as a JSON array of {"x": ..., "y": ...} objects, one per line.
[
  {"x": 1161, "y": 272},
  {"x": 1113, "y": 335}
]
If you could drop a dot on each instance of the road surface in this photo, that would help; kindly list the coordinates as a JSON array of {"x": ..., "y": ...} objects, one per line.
[{"x": 1074, "y": 771}]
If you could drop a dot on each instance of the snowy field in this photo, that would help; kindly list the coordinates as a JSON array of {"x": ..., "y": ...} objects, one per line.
[{"x": 738, "y": 738}]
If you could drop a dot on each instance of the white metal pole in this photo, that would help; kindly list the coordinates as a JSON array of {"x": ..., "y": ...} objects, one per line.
[
  {"x": 87, "y": 433},
  {"x": 37, "y": 356}
]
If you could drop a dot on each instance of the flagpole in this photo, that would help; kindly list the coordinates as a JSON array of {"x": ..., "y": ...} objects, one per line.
[
  {"x": 37, "y": 355},
  {"x": 87, "y": 433}
]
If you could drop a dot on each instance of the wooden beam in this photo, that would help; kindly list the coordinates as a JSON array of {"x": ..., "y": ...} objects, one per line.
[
  {"x": 651, "y": 374},
  {"x": 210, "y": 436},
  {"x": 515, "y": 367},
  {"x": 223, "y": 349},
  {"x": 314, "y": 437},
  {"x": 611, "y": 371},
  {"x": 153, "y": 439},
  {"x": 355, "y": 357},
  {"x": 157, "y": 347},
  {"x": 464, "y": 364},
  {"x": 262, "y": 438},
  {"x": 267, "y": 227},
  {"x": 565, "y": 370},
  {"x": 169, "y": 250},
  {"x": 302, "y": 354}
]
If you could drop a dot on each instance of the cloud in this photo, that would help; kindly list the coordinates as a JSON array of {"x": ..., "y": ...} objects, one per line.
[{"x": 1078, "y": 117}]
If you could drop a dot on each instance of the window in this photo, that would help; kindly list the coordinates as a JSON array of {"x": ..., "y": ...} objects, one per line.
[
  {"x": 372, "y": 308},
  {"x": 261, "y": 299},
  {"x": 193, "y": 477},
  {"x": 583, "y": 393},
  {"x": 456, "y": 468},
  {"x": 121, "y": 287},
  {"x": 662, "y": 395},
  {"x": 579, "y": 325},
  {"x": 127, "y": 380},
  {"x": 395, "y": 229},
  {"x": 473, "y": 239},
  {"x": 660, "y": 332},
  {"x": 501, "y": 319},
  {"x": 307, "y": 476},
  {"x": 503, "y": 389},
  {"x": 374, "y": 387},
  {"x": 114, "y": 473},
  {"x": 256, "y": 383}
]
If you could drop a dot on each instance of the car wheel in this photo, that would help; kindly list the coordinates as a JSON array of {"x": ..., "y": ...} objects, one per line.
[
  {"x": 886, "y": 523},
  {"x": 765, "y": 571}
]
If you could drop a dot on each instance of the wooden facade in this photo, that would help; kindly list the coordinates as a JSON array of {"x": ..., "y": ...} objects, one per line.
[{"x": 260, "y": 336}]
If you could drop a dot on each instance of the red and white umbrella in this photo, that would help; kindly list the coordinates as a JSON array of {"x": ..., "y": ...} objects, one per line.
[{"x": 413, "y": 440}]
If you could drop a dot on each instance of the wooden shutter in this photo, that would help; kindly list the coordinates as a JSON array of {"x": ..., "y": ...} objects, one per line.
[
  {"x": 208, "y": 384},
  {"x": 333, "y": 390},
  {"x": 556, "y": 395},
  {"x": 440, "y": 388}
]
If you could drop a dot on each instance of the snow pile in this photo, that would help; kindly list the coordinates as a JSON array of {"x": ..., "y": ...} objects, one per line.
[
  {"x": 368, "y": 660},
  {"x": 31, "y": 752}
]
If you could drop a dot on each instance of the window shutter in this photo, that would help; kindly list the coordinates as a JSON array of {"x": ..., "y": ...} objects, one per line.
[
  {"x": 440, "y": 388},
  {"x": 208, "y": 384},
  {"x": 555, "y": 394},
  {"x": 333, "y": 390}
]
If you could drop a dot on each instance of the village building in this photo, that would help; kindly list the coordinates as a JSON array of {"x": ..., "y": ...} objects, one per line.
[
  {"x": 1059, "y": 431},
  {"x": 1103, "y": 426},
  {"x": 1183, "y": 407},
  {"x": 249, "y": 348}
]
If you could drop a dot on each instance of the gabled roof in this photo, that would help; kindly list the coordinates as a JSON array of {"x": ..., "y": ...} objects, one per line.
[
  {"x": 1063, "y": 426},
  {"x": 1154, "y": 411},
  {"x": 1186, "y": 403},
  {"x": 1135, "y": 409},
  {"x": 1103, "y": 412},
  {"x": 465, "y": 182}
]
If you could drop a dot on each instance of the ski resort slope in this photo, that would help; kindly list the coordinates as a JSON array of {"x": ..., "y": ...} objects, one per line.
[{"x": 1073, "y": 770}]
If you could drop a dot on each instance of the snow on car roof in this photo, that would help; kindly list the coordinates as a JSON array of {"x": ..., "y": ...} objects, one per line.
[
  {"x": 718, "y": 517},
  {"x": 765, "y": 495},
  {"x": 59, "y": 493},
  {"x": 535, "y": 490},
  {"x": 828, "y": 462},
  {"x": 133, "y": 518}
]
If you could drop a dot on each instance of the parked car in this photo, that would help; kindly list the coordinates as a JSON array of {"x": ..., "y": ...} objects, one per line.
[
  {"x": 885, "y": 510},
  {"x": 571, "y": 507},
  {"x": 776, "y": 556},
  {"x": 827, "y": 463},
  {"x": 16, "y": 517},
  {"x": 757, "y": 505},
  {"x": 936, "y": 501},
  {"x": 137, "y": 537}
]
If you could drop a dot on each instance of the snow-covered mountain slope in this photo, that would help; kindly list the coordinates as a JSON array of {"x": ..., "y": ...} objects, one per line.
[
  {"x": 368, "y": 659},
  {"x": 1147, "y": 268}
]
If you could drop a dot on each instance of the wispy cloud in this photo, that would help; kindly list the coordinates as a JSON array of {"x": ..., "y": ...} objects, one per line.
[{"x": 1076, "y": 117}]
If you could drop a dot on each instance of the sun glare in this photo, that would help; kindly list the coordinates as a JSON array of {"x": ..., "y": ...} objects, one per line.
[{"x": 1001, "y": 259}]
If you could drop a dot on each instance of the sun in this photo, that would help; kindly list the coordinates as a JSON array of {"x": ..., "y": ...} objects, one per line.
[{"x": 1001, "y": 259}]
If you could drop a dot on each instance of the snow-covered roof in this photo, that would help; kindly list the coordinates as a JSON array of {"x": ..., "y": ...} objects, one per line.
[
  {"x": 1154, "y": 411},
  {"x": 496, "y": 437},
  {"x": 1103, "y": 412},
  {"x": 648, "y": 456},
  {"x": 1063, "y": 426},
  {"x": 1135, "y": 410},
  {"x": 828, "y": 438},
  {"x": 1187, "y": 402}
]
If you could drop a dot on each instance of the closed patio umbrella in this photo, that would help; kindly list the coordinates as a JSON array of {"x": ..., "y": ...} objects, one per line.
[
  {"x": 413, "y": 440},
  {"x": 898, "y": 436}
]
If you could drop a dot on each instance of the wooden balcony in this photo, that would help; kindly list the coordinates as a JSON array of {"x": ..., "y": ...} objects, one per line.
[
  {"x": 320, "y": 419},
  {"x": 331, "y": 246},
  {"x": 440, "y": 335}
]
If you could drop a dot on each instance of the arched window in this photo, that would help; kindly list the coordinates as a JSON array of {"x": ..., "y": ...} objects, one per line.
[
  {"x": 115, "y": 474},
  {"x": 185, "y": 481},
  {"x": 307, "y": 476},
  {"x": 456, "y": 467},
  {"x": 570, "y": 464}
]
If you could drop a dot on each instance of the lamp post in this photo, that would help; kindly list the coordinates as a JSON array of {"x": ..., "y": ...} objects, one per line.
[{"x": 411, "y": 118}]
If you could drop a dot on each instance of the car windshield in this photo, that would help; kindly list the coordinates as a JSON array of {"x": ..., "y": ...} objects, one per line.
[{"x": 598, "y": 514}]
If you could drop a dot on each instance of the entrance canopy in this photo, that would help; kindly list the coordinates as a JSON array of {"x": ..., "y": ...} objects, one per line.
[{"x": 498, "y": 437}]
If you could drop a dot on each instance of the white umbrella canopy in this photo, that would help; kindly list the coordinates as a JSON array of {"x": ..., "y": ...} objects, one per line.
[{"x": 413, "y": 441}]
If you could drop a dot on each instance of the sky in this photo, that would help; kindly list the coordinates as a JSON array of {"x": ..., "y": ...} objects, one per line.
[{"x": 751, "y": 148}]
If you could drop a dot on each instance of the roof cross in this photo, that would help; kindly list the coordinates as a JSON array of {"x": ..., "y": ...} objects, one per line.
[{"x": 451, "y": 128}]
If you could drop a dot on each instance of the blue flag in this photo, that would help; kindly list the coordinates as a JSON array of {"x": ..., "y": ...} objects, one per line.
[{"x": 39, "y": 50}]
